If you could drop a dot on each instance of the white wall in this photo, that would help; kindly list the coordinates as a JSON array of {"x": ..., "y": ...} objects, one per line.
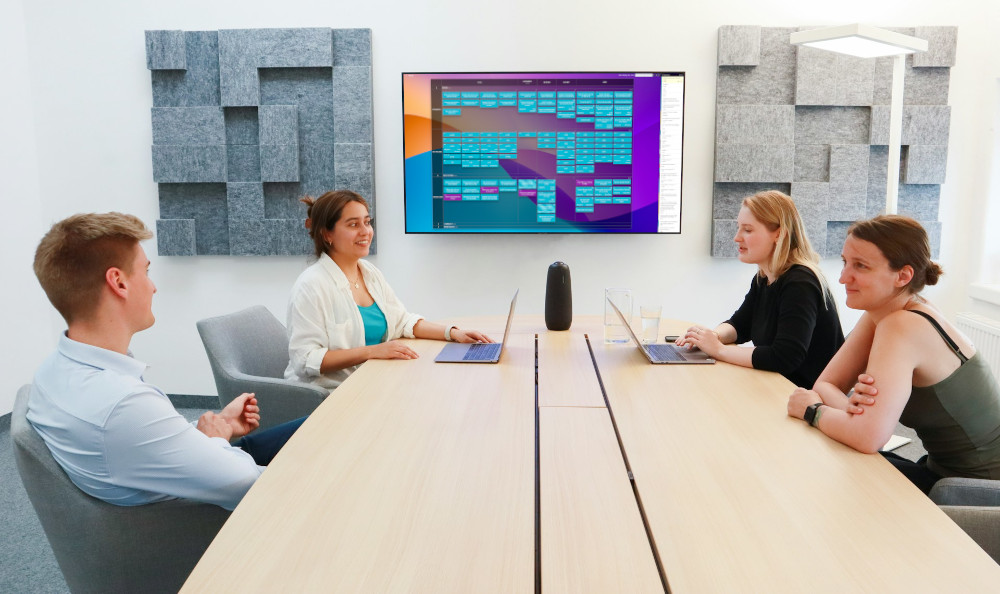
[{"x": 91, "y": 96}]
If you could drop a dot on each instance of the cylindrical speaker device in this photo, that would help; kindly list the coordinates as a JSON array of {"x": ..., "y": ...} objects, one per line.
[{"x": 558, "y": 298}]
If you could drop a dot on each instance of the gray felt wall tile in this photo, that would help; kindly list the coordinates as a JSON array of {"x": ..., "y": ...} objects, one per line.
[
  {"x": 279, "y": 124},
  {"x": 269, "y": 237},
  {"x": 352, "y": 47},
  {"x": 728, "y": 197},
  {"x": 755, "y": 124},
  {"x": 352, "y": 104},
  {"x": 925, "y": 164},
  {"x": 878, "y": 167},
  {"x": 934, "y": 236},
  {"x": 771, "y": 82},
  {"x": 848, "y": 181},
  {"x": 206, "y": 204},
  {"x": 311, "y": 91},
  {"x": 189, "y": 163},
  {"x": 919, "y": 201},
  {"x": 812, "y": 200},
  {"x": 354, "y": 169},
  {"x": 243, "y": 51},
  {"x": 175, "y": 237},
  {"x": 244, "y": 201},
  {"x": 165, "y": 50},
  {"x": 922, "y": 124},
  {"x": 754, "y": 163},
  {"x": 739, "y": 45},
  {"x": 941, "y": 43},
  {"x": 723, "y": 231},
  {"x": 921, "y": 86},
  {"x": 243, "y": 163},
  {"x": 836, "y": 233},
  {"x": 242, "y": 125},
  {"x": 812, "y": 162},
  {"x": 832, "y": 125},
  {"x": 188, "y": 125},
  {"x": 279, "y": 162},
  {"x": 198, "y": 85},
  {"x": 828, "y": 78}
]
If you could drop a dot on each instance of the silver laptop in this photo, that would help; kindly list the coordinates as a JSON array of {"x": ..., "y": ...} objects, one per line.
[
  {"x": 663, "y": 354},
  {"x": 473, "y": 352}
]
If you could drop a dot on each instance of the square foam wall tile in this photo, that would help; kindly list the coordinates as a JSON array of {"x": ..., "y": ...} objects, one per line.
[
  {"x": 723, "y": 231},
  {"x": 352, "y": 47},
  {"x": 206, "y": 204},
  {"x": 739, "y": 45},
  {"x": 310, "y": 90},
  {"x": 925, "y": 164},
  {"x": 279, "y": 162},
  {"x": 828, "y": 78},
  {"x": 175, "y": 237},
  {"x": 188, "y": 125},
  {"x": 922, "y": 124},
  {"x": 812, "y": 163},
  {"x": 244, "y": 201},
  {"x": 189, "y": 163},
  {"x": 242, "y": 126},
  {"x": 770, "y": 82},
  {"x": 352, "y": 104},
  {"x": 279, "y": 124},
  {"x": 165, "y": 50},
  {"x": 848, "y": 181},
  {"x": 755, "y": 124},
  {"x": 198, "y": 85},
  {"x": 941, "y": 43},
  {"x": 754, "y": 163},
  {"x": 919, "y": 201},
  {"x": 243, "y": 163}
]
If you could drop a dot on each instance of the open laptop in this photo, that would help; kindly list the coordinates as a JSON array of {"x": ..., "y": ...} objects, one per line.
[
  {"x": 473, "y": 352},
  {"x": 663, "y": 354}
]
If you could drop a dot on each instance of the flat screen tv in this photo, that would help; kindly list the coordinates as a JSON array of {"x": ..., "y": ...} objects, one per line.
[{"x": 543, "y": 152}]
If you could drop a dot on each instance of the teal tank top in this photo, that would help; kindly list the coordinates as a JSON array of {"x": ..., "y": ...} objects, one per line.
[{"x": 375, "y": 324}]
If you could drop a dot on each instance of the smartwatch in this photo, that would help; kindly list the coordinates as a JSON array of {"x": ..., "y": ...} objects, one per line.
[{"x": 810, "y": 416}]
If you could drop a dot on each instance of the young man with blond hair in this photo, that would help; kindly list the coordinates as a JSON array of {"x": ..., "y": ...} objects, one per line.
[{"x": 117, "y": 437}]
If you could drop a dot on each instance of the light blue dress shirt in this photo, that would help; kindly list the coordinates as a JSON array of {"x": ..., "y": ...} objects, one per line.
[{"x": 121, "y": 440}]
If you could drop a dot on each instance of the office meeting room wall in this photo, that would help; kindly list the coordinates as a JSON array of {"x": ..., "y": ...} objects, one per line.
[{"x": 77, "y": 137}]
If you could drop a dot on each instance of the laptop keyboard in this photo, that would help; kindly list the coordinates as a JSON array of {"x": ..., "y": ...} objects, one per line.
[
  {"x": 664, "y": 352},
  {"x": 482, "y": 351}
]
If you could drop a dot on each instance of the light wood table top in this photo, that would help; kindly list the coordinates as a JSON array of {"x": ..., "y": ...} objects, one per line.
[{"x": 741, "y": 497}]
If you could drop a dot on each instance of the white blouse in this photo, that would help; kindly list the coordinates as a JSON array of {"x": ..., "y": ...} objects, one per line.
[{"x": 322, "y": 316}]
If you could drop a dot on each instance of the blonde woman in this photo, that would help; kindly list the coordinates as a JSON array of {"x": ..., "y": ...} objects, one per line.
[{"x": 788, "y": 313}]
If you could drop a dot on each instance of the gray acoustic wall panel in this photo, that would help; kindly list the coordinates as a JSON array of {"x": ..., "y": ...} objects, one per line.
[
  {"x": 165, "y": 50},
  {"x": 739, "y": 46},
  {"x": 246, "y": 122},
  {"x": 835, "y": 164}
]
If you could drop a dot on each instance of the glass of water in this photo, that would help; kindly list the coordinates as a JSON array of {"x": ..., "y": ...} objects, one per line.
[
  {"x": 650, "y": 315},
  {"x": 614, "y": 331}
]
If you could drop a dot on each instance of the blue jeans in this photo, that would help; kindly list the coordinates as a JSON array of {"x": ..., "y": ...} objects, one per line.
[{"x": 264, "y": 445}]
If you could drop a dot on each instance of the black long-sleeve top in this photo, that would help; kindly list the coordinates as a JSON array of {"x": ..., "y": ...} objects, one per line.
[{"x": 795, "y": 333}]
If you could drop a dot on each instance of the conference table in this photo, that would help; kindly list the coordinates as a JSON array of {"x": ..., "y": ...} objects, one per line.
[{"x": 576, "y": 466}]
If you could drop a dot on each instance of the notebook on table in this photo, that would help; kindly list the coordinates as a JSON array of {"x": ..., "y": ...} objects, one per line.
[
  {"x": 477, "y": 352},
  {"x": 663, "y": 354}
]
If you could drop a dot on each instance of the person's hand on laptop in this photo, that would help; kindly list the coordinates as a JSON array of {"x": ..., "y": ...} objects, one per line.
[
  {"x": 459, "y": 335},
  {"x": 702, "y": 338}
]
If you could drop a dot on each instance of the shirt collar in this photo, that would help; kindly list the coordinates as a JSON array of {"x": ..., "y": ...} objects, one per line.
[
  {"x": 100, "y": 358},
  {"x": 337, "y": 274}
]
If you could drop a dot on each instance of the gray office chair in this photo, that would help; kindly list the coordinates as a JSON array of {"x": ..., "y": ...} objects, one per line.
[
  {"x": 108, "y": 548},
  {"x": 973, "y": 504},
  {"x": 248, "y": 351}
]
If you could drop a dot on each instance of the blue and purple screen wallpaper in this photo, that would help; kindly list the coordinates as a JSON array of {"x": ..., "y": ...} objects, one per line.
[{"x": 537, "y": 152}]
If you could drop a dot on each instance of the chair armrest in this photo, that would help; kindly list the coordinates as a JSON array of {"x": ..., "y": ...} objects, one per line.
[
  {"x": 281, "y": 386},
  {"x": 966, "y": 491},
  {"x": 982, "y": 524}
]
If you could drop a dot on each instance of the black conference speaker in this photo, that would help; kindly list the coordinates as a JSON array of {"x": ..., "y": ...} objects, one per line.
[{"x": 558, "y": 298}]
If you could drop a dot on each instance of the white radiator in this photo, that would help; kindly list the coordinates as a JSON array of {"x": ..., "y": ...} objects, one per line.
[{"x": 985, "y": 335}]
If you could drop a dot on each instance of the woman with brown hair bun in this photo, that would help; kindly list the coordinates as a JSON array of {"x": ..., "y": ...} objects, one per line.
[
  {"x": 906, "y": 363},
  {"x": 342, "y": 311}
]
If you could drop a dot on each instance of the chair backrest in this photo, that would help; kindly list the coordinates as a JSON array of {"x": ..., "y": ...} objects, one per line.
[
  {"x": 251, "y": 341},
  {"x": 108, "y": 548}
]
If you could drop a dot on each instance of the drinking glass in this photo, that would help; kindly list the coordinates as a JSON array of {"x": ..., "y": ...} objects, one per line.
[
  {"x": 614, "y": 331},
  {"x": 650, "y": 315}
]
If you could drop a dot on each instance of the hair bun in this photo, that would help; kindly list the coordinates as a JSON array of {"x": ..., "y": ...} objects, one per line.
[{"x": 933, "y": 273}]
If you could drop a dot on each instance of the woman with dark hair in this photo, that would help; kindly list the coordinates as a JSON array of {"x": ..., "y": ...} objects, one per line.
[
  {"x": 342, "y": 311},
  {"x": 788, "y": 312},
  {"x": 925, "y": 373}
]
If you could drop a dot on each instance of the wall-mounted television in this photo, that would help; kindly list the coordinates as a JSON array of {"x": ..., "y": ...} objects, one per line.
[{"x": 543, "y": 152}]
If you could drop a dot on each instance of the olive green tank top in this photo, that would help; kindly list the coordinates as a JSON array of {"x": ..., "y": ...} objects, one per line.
[{"x": 958, "y": 418}]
